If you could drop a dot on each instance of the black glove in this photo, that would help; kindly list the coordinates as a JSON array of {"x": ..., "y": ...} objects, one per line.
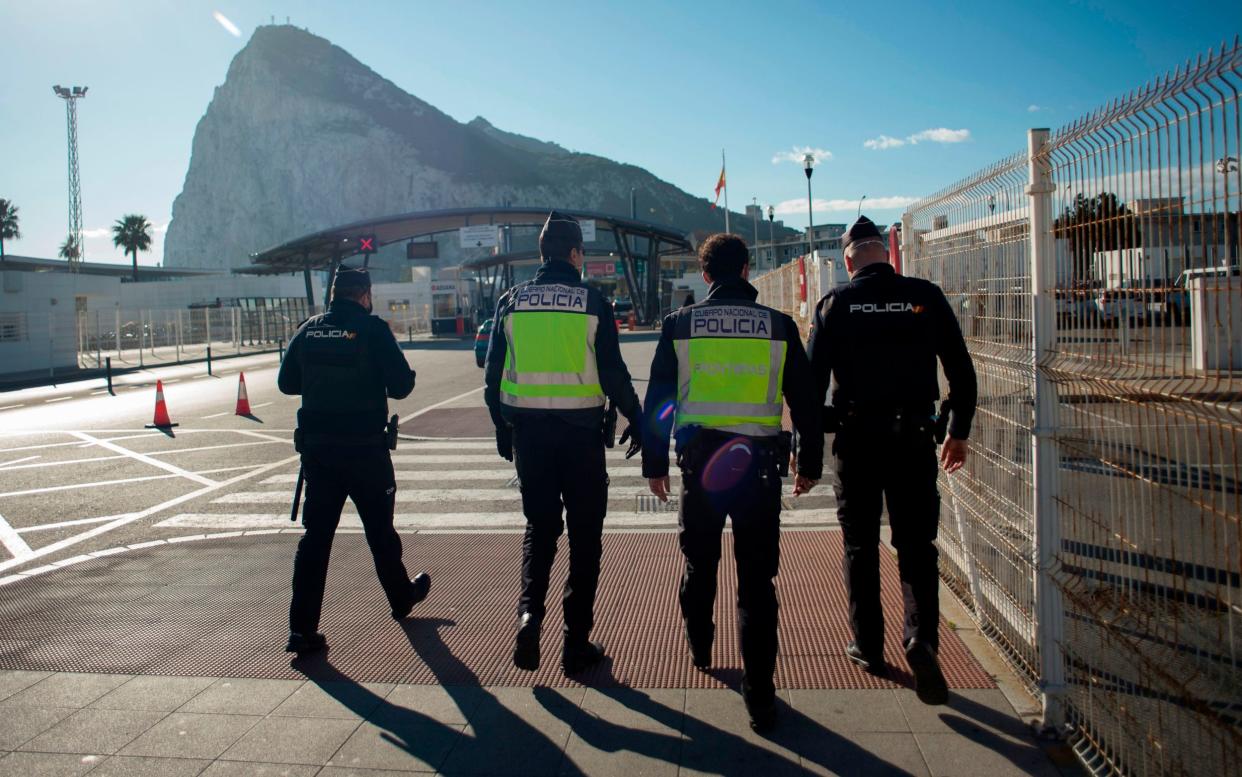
[
  {"x": 634, "y": 433},
  {"x": 504, "y": 443}
]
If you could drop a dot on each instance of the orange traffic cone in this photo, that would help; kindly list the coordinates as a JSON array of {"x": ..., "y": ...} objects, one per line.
[
  {"x": 162, "y": 421},
  {"x": 243, "y": 401}
]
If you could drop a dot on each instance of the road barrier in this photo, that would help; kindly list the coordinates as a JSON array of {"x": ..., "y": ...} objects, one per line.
[{"x": 1094, "y": 534}]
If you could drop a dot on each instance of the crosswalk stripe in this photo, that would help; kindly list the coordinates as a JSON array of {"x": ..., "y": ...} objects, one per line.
[
  {"x": 438, "y": 495},
  {"x": 436, "y": 476},
  {"x": 480, "y": 458},
  {"x": 464, "y": 520}
]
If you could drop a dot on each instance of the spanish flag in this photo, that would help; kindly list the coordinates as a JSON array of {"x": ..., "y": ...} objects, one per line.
[{"x": 720, "y": 185}]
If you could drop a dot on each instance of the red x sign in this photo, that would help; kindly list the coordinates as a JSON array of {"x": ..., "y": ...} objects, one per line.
[{"x": 367, "y": 244}]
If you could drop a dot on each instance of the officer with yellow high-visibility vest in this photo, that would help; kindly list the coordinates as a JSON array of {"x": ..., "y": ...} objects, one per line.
[
  {"x": 723, "y": 370},
  {"x": 553, "y": 359}
]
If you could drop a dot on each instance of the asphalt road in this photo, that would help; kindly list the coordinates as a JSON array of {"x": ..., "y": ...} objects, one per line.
[{"x": 80, "y": 474}]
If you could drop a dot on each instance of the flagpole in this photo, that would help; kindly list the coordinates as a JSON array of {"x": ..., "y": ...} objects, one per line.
[{"x": 725, "y": 173}]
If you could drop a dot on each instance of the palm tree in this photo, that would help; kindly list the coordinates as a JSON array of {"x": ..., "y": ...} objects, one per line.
[
  {"x": 8, "y": 224},
  {"x": 133, "y": 233},
  {"x": 69, "y": 250}
]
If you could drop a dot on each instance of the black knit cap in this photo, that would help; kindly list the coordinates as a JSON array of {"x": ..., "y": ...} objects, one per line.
[
  {"x": 862, "y": 229},
  {"x": 351, "y": 278},
  {"x": 561, "y": 228}
]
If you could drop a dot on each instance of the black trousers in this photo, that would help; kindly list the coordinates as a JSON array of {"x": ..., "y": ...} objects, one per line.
[
  {"x": 875, "y": 461},
  {"x": 561, "y": 470},
  {"x": 363, "y": 474},
  {"x": 731, "y": 477}
]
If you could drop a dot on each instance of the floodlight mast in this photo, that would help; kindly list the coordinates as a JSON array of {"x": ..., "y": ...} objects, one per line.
[{"x": 71, "y": 95}]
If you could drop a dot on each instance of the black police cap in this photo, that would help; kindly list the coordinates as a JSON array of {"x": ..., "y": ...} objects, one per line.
[
  {"x": 862, "y": 229},
  {"x": 351, "y": 278},
  {"x": 560, "y": 226}
]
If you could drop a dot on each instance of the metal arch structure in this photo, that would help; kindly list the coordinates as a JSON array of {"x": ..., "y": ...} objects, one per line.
[
  {"x": 326, "y": 249},
  {"x": 71, "y": 95}
]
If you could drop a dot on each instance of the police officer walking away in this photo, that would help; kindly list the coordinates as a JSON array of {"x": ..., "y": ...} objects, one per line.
[
  {"x": 877, "y": 339},
  {"x": 345, "y": 363},
  {"x": 554, "y": 357},
  {"x": 722, "y": 371}
]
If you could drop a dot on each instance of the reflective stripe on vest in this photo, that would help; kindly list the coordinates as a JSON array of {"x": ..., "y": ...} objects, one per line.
[
  {"x": 550, "y": 361},
  {"x": 727, "y": 380}
]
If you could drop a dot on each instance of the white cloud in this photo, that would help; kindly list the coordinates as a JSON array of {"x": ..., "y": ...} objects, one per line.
[
  {"x": 941, "y": 135},
  {"x": 226, "y": 24},
  {"x": 934, "y": 135},
  {"x": 88, "y": 234},
  {"x": 796, "y": 154},
  {"x": 798, "y": 207},
  {"x": 1033, "y": 108},
  {"x": 883, "y": 142}
]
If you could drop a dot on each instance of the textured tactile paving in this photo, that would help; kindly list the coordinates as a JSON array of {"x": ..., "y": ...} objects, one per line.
[{"x": 218, "y": 608}]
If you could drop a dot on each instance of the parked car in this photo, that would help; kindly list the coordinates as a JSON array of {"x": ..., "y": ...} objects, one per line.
[
  {"x": 1177, "y": 302},
  {"x": 481, "y": 340},
  {"x": 621, "y": 309},
  {"x": 1076, "y": 305},
  {"x": 1134, "y": 301}
]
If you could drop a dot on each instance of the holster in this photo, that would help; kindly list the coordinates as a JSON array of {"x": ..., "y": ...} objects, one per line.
[
  {"x": 391, "y": 430},
  {"x": 609, "y": 428},
  {"x": 784, "y": 450},
  {"x": 941, "y": 429}
]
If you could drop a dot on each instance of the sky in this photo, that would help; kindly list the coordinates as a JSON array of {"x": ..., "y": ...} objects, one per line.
[{"x": 897, "y": 100}]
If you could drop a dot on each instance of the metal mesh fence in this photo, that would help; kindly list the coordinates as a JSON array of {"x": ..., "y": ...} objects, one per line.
[
  {"x": 1137, "y": 635},
  {"x": 149, "y": 337}
]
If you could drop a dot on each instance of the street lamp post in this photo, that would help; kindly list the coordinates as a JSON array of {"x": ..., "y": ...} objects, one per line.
[
  {"x": 771, "y": 241},
  {"x": 860, "y": 202},
  {"x": 808, "y": 164},
  {"x": 71, "y": 95},
  {"x": 754, "y": 218}
]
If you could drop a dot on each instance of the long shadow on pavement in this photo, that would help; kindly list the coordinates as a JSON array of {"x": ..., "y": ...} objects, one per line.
[
  {"x": 498, "y": 738},
  {"x": 704, "y": 747}
]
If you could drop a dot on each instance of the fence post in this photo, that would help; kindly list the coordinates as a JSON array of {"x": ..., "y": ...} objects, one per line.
[
  {"x": 109, "y": 368},
  {"x": 1049, "y": 609},
  {"x": 141, "y": 335}
]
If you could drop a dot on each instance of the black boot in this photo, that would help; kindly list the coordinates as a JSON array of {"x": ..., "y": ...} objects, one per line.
[
  {"x": 526, "y": 646},
  {"x": 578, "y": 657},
  {"x": 419, "y": 587},
  {"x": 871, "y": 663},
  {"x": 700, "y": 644},
  {"x": 762, "y": 714},
  {"x": 305, "y": 644},
  {"x": 929, "y": 682}
]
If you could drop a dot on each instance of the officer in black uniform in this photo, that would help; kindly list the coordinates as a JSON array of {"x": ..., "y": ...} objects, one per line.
[
  {"x": 553, "y": 358},
  {"x": 877, "y": 339},
  {"x": 345, "y": 363},
  {"x": 717, "y": 380}
]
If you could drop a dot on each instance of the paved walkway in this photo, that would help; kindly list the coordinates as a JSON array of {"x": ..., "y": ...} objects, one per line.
[{"x": 186, "y": 675}]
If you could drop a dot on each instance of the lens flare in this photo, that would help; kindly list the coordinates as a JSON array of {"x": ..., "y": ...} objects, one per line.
[
  {"x": 226, "y": 24},
  {"x": 728, "y": 465}
]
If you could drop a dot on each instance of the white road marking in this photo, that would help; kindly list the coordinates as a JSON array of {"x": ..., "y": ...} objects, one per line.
[
  {"x": 445, "y": 495},
  {"x": 431, "y": 475},
  {"x": 185, "y": 473},
  {"x": 13, "y": 543},
  {"x": 19, "y": 461},
  {"x": 262, "y": 436},
  {"x": 56, "y": 547},
  {"x": 200, "y": 377},
  {"x": 41, "y": 465},
  {"x": 438, "y": 521},
  {"x": 57, "y": 399},
  {"x": 97, "y": 393},
  {"x": 171, "y": 381},
  {"x": 11, "y": 407},
  {"x": 72, "y": 486},
  {"x": 256, "y": 407},
  {"x": 228, "y": 469},
  {"x": 216, "y": 447},
  {"x": 437, "y": 405},
  {"x": 66, "y": 524},
  {"x": 43, "y": 446},
  {"x": 215, "y": 415},
  {"x": 450, "y": 445}
]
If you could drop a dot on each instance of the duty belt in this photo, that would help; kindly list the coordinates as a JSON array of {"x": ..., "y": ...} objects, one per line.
[{"x": 302, "y": 440}]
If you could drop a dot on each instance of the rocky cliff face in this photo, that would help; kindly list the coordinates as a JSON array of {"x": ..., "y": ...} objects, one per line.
[{"x": 301, "y": 136}]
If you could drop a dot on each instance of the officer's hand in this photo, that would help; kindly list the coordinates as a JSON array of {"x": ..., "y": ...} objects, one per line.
[
  {"x": 803, "y": 485},
  {"x": 659, "y": 487},
  {"x": 953, "y": 454},
  {"x": 504, "y": 444},
  {"x": 633, "y": 433}
]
